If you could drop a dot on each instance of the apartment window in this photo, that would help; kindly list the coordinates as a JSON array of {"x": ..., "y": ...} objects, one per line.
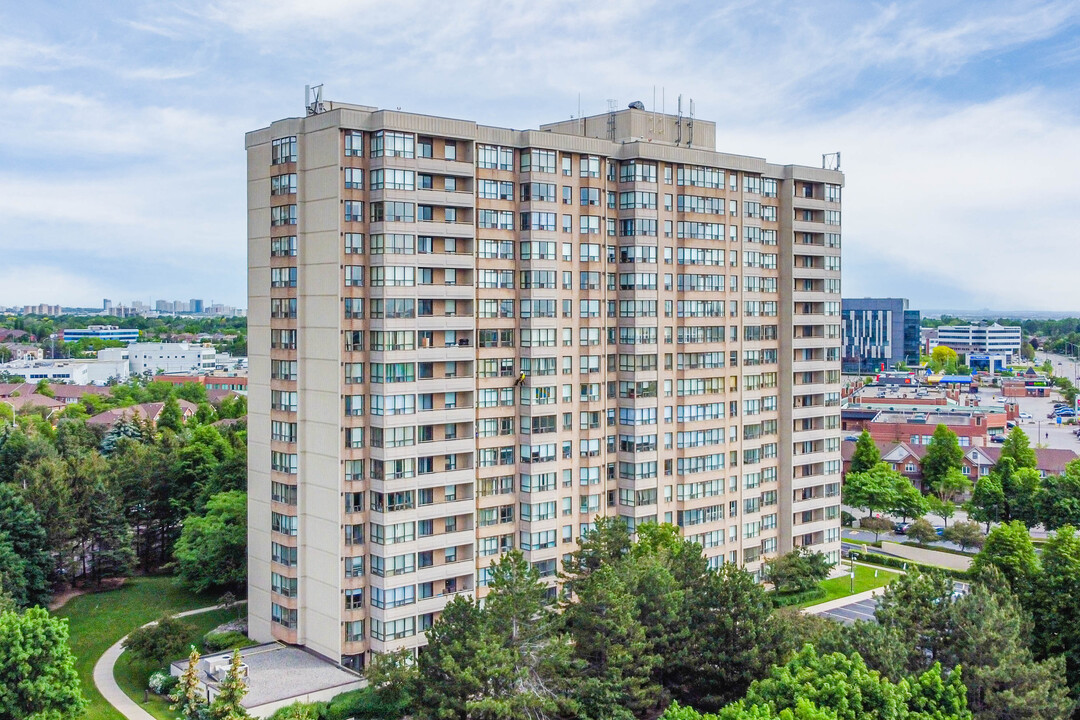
[
  {"x": 283, "y": 246},
  {"x": 392, "y": 179},
  {"x": 283, "y": 184},
  {"x": 283, "y": 616},
  {"x": 354, "y": 178},
  {"x": 282, "y": 215},
  {"x": 283, "y": 555},
  {"x": 354, "y": 143},
  {"x": 392, "y": 144},
  {"x": 283, "y": 150}
]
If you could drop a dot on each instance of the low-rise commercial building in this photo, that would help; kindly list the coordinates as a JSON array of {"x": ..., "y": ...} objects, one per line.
[
  {"x": 983, "y": 339},
  {"x": 100, "y": 332}
]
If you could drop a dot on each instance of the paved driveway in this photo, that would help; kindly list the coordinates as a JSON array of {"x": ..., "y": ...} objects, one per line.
[{"x": 858, "y": 610}]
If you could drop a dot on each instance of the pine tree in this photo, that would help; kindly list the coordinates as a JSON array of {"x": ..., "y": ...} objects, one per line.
[
  {"x": 188, "y": 697},
  {"x": 22, "y": 527},
  {"x": 37, "y": 670},
  {"x": 610, "y": 640},
  {"x": 1055, "y": 603},
  {"x": 866, "y": 453},
  {"x": 108, "y": 534},
  {"x": 231, "y": 691},
  {"x": 171, "y": 417}
]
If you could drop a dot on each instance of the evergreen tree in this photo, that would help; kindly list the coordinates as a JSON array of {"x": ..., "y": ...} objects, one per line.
[
  {"x": 108, "y": 534},
  {"x": 1009, "y": 549},
  {"x": 607, "y": 542},
  {"x": 456, "y": 664},
  {"x": 866, "y": 454},
  {"x": 943, "y": 452},
  {"x": 187, "y": 697},
  {"x": 171, "y": 417},
  {"x": 1055, "y": 604},
  {"x": 990, "y": 640},
  {"x": 38, "y": 680},
  {"x": 231, "y": 692},
  {"x": 616, "y": 680},
  {"x": 22, "y": 527}
]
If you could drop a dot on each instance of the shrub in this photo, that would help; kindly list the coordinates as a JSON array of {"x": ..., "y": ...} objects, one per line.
[
  {"x": 162, "y": 683},
  {"x": 218, "y": 641},
  {"x": 362, "y": 704},
  {"x": 795, "y": 598},
  {"x": 895, "y": 562}
]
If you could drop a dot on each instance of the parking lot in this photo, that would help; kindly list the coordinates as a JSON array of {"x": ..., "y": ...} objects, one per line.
[
  {"x": 848, "y": 614},
  {"x": 1039, "y": 428}
]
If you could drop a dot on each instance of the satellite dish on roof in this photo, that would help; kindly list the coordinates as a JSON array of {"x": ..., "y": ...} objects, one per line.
[{"x": 636, "y": 105}]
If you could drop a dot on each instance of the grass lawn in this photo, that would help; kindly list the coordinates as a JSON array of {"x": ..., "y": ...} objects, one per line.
[
  {"x": 864, "y": 580},
  {"x": 97, "y": 621},
  {"x": 131, "y": 676}
]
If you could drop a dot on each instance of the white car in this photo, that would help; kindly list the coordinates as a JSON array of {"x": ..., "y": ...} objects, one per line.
[{"x": 1025, "y": 416}]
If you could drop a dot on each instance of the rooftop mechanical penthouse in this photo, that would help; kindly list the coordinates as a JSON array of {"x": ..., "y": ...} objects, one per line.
[{"x": 465, "y": 339}]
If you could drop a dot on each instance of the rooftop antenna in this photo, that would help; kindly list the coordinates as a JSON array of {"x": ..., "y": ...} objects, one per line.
[
  {"x": 612, "y": 104},
  {"x": 678, "y": 123},
  {"x": 690, "y": 125},
  {"x": 830, "y": 161},
  {"x": 313, "y": 99}
]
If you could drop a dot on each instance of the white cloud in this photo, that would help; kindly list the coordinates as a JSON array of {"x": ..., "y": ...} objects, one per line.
[{"x": 978, "y": 198}]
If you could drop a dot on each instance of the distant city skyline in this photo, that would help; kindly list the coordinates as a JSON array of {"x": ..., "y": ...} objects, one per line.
[{"x": 957, "y": 124}]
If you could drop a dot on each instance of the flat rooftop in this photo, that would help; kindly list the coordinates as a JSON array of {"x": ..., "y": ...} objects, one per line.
[{"x": 279, "y": 672}]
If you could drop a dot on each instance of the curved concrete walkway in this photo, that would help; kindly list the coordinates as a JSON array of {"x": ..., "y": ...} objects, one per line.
[{"x": 105, "y": 680}]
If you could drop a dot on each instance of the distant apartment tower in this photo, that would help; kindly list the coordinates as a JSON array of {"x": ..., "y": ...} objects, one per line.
[
  {"x": 195, "y": 305},
  {"x": 992, "y": 339},
  {"x": 465, "y": 339},
  {"x": 879, "y": 331}
]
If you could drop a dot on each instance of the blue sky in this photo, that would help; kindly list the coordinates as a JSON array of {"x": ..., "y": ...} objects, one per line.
[{"x": 959, "y": 123}]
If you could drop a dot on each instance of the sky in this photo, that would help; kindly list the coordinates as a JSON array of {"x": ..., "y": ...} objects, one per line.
[{"x": 122, "y": 123}]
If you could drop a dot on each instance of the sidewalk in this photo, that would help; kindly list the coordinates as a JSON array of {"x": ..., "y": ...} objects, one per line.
[{"x": 105, "y": 680}]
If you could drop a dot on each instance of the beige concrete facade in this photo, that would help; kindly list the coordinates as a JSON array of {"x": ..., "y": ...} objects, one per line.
[{"x": 465, "y": 339}]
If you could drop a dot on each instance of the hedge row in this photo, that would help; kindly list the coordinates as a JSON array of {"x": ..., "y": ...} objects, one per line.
[
  {"x": 796, "y": 598},
  {"x": 902, "y": 564}
]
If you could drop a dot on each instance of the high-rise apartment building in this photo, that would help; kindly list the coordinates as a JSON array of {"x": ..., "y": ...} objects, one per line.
[{"x": 465, "y": 339}]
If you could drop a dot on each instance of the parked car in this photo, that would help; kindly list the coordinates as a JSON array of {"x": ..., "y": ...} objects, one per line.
[
  {"x": 940, "y": 530},
  {"x": 997, "y": 438},
  {"x": 1025, "y": 416},
  {"x": 901, "y": 528}
]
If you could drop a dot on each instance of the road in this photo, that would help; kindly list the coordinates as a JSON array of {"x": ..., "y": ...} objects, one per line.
[{"x": 105, "y": 678}]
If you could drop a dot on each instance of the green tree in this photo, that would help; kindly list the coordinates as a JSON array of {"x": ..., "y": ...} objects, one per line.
[
  {"x": 987, "y": 502},
  {"x": 1027, "y": 352},
  {"x": 108, "y": 535},
  {"x": 876, "y": 525},
  {"x": 909, "y": 502},
  {"x": 21, "y": 526},
  {"x": 943, "y": 509},
  {"x": 610, "y": 642},
  {"x": 1055, "y": 604},
  {"x": 37, "y": 670},
  {"x": 171, "y": 417},
  {"x": 852, "y": 691},
  {"x": 212, "y": 549},
  {"x": 456, "y": 664},
  {"x": 875, "y": 489},
  {"x": 1059, "y": 500},
  {"x": 965, "y": 534},
  {"x": 1009, "y": 549},
  {"x": 515, "y": 613},
  {"x": 922, "y": 532},
  {"x": 943, "y": 355},
  {"x": 942, "y": 454},
  {"x": 161, "y": 642},
  {"x": 953, "y": 483},
  {"x": 797, "y": 571},
  {"x": 988, "y": 636},
  {"x": 231, "y": 692},
  {"x": 1017, "y": 447},
  {"x": 608, "y": 542},
  {"x": 866, "y": 454},
  {"x": 916, "y": 607}
]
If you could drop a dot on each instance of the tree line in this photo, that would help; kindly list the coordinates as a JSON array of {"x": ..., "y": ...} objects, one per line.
[{"x": 644, "y": 627}]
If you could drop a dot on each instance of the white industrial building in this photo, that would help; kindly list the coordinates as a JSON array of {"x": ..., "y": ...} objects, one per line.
[{"x": 158, "y": 358}]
